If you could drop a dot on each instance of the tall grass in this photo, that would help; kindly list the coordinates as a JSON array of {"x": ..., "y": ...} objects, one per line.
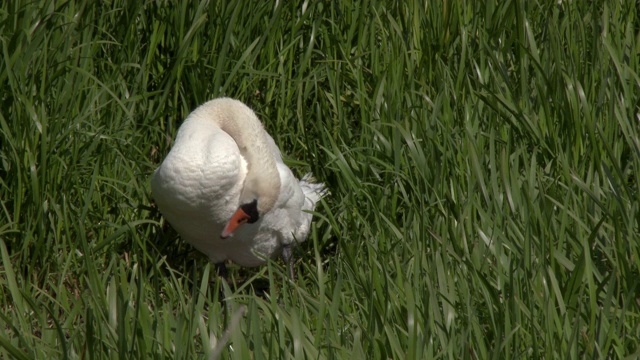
[{"x": 483, "y": 159}]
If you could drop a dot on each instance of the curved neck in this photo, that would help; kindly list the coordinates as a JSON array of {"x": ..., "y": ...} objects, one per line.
[{"x": 262, "y": 182}]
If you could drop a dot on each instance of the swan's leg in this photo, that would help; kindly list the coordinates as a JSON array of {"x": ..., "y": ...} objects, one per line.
[
  {"x": 221, "y": 269},
  {"x": 287, "y": 255}
]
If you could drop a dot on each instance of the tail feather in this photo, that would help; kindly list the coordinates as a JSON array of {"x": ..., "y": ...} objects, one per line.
[{"x": 313, "y": 191}]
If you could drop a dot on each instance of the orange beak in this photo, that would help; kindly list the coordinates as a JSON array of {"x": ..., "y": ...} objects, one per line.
[{"x": 238, "y": 218}]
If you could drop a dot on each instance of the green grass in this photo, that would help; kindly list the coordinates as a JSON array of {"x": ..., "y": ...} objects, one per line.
[{"x": 483, "y": 159}]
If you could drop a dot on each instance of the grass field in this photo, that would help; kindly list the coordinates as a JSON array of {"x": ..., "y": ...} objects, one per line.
[{"x": 483, "y": 159}]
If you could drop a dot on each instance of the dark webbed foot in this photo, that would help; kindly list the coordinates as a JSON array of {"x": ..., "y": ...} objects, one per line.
[
  {"x": 221, "y": 270},
  {"x": 287, "y": 255}
]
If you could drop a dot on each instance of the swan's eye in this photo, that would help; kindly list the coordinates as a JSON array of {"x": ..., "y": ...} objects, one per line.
[
  {"x": 251, "y": 209},
  {"x": 246, "y": 213}
]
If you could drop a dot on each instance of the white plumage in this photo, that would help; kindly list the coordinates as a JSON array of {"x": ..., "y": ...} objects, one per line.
[{"x": 223, "y": 159}]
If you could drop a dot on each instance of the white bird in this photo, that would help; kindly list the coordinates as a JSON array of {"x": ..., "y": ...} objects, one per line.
[{"x": 226, "y": 191}]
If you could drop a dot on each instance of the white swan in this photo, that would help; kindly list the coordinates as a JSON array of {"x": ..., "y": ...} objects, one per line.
[{"x": 223, "y": 171}]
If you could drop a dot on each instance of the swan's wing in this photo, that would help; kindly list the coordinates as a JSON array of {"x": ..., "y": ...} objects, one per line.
[
  {"x": 289, "y": 220},
  {"x": 198, "y": 183}
]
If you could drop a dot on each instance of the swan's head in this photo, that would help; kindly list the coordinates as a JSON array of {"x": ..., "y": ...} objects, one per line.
[{"x": 257, "y": 198}]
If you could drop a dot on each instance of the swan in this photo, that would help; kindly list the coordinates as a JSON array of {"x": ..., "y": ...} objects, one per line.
[{"x": 224, "y": 188}]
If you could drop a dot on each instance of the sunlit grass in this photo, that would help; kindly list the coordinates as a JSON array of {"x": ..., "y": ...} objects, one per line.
[{"x": 483, "y": 160}]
